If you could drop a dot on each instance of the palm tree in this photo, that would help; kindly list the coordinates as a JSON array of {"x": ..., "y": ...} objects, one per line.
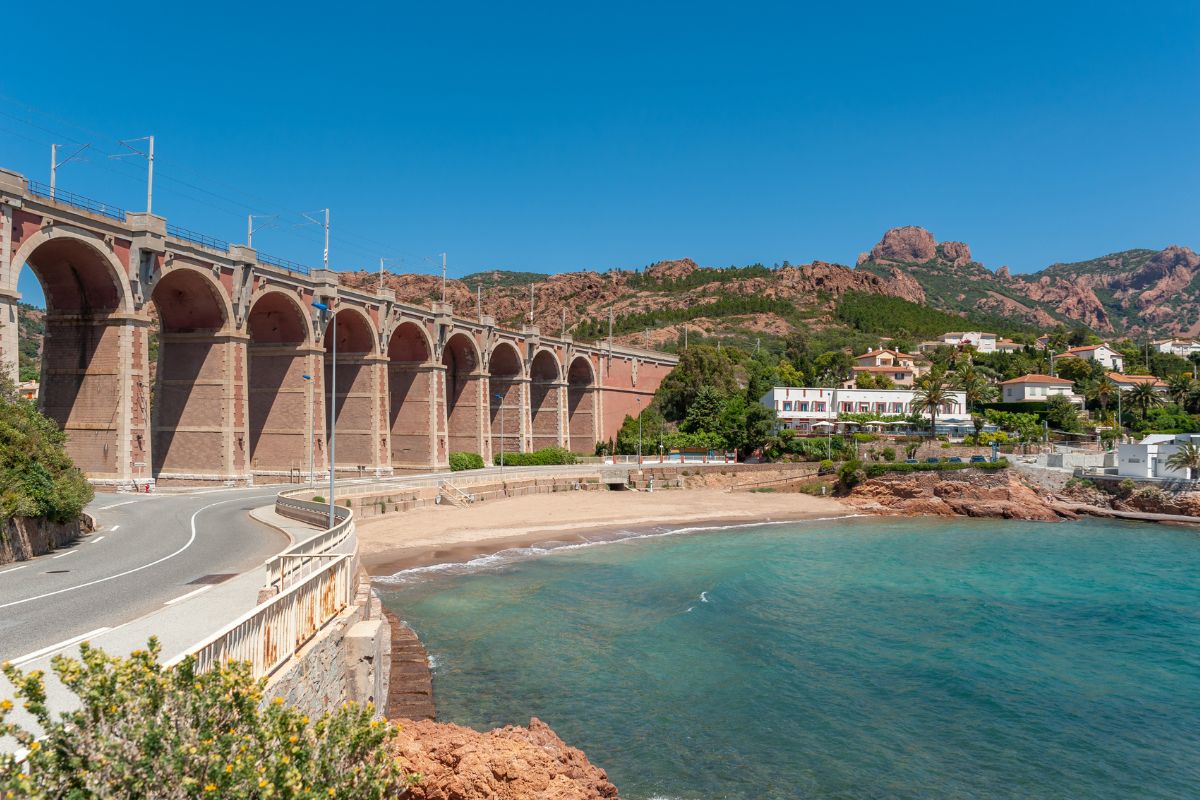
[
  {"x": 1187, "y": 457},
  {"x": 930, "y": 392},
  {"x": 1103, "y": 392},
  {"x": 1144, "y": 397},
  {"x": 1180, "y": 386},
  {"x": 974, "y": 384}
]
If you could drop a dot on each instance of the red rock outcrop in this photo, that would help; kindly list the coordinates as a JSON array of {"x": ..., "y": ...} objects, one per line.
[
  {"x": 908, "y": 244},
  {"x": 962, "y": 493},
  {"x": 509, "y": 763},
  {"x": 958, "y": 254}
]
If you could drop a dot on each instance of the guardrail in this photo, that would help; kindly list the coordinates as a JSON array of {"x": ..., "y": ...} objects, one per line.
[
  {"x": 302, "y": 558},
  {"x": 272, "y": 632},
  {"x": 283, "y": 263},
  {"x": 197, "y": 238},
  {"x": 76, "y": 200}
]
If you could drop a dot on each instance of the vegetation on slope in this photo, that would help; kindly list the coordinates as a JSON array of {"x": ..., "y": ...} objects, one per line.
[
  {"x": 888, "y": 316},
  {"x": 37, "y": 477}
]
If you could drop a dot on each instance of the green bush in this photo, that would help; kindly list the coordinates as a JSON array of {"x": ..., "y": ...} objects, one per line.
[
  {"x": 875, "y": 470},
  {"x": 849, "y": 474},
  {"x": 888, "y": 454},
  {"x": 318, "y": 498},
  {"x": 144, "y": 730},
  {"x": 546, "y": 457},
  {"x": 825, "y": 467},
  {"x": 462, "y": 461},
  {"x": 37, "y": 477}
]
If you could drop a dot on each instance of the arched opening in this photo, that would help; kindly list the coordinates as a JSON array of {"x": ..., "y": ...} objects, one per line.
[
  {"x": 192, "y": 410},
  {"x": 283, "y": 389},
  {"x": 410, "y": 393},
  {"x": 545, "y": 400},
  {"x": 504, "y": 398},
  {"x": 354, "y": 408},
  {"x": 70, "y": 356},
  {"x": 581, "y": 406},
  {"x": 463, "y": 387}
]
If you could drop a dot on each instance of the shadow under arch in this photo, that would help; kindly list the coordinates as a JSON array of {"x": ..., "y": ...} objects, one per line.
[
  {"x": 545, "y": 400},
  {"x": 282, "y": 404},
  {"x": 354, "y": 410},
  {"x": 505, "y": 375},
  {"x": 460, "y": 357},
  {"x": 411, "y": 397},
  {"x": 581, "y": 405}
]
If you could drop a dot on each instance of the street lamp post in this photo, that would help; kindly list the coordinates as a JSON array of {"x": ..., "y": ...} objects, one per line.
[
  {"x": 312, "y": 434},
  {"x": 323, "y": 308},
  {"x": 639, "y": 402},
  {"x": 500, "y": 404}
]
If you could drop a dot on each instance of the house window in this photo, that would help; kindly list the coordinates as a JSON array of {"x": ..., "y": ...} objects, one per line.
[
  {"x": 897, "y": 408},
  {"x": 802, "y": 406},
  {"x": 787, "y": 405},
  {"x": 864, "y": 408},
  {"x": 881, "y": 408},
  {"x": 818, "y": 406}
]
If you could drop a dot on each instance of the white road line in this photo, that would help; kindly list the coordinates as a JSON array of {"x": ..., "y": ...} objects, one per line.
[
  {"x": 12, "y": 569},
  {"x": 62, "y": 555},
  {"x": 181, "y": 598},
  {"x": 115, "y": 505},
  {"x": 45, "y": 651},
  {"x": 186, "y": 545},
  {"x": 113, "y": 528},
  {"x": 95, "y": 539}
]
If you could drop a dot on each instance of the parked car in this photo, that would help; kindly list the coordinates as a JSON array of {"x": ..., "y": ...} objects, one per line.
[
  {"x": 932, "y": 460},
  {"x": 955, "y": 460},
  {"x": 910, "y": 461},
  {"x": 978, "y": 459}
]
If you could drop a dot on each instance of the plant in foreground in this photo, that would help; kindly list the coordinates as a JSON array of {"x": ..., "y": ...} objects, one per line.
[{"x": 144, "y": 730}]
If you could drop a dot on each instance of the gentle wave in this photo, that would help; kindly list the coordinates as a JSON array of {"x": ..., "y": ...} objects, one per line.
[{"x": 513, "y": 554}]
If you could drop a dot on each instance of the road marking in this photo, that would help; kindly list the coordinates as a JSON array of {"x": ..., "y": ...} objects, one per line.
[
  {"x": 13, "y": 569},
  {"x": 186, "y": 545},
  {"x": 113, "y": 528},
  {"x": 62, "y": 555},
  {"x": 186, "y": 596},
  {"x": 115, "y": 505},
  {"x": 45, "y": 651},
  {"x": 95, "y": 539}
]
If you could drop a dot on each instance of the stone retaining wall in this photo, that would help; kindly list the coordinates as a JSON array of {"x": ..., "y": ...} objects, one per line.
[{"x": 22, "y": 538}]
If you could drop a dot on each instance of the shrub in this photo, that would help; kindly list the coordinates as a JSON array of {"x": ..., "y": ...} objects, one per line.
[
  {"x": 849, "y": 474},
  {"x": 318, "y": 498},
  {"x": 37, "y": 477},
  {"x": 875, "y": 470},
  {"x": 462, "y": 461},
  {"x": 546, "y": 457},
  {"x": 825, "y": 467},
  {"x": 888, "y": 454},
  {"x": 142, "y": 730},
  {"x": 864, "y": 437}
]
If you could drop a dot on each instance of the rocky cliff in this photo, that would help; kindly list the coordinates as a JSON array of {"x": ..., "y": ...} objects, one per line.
[
  {"x": 510, "y": 763},
  {"x": 966, "y": 493}
]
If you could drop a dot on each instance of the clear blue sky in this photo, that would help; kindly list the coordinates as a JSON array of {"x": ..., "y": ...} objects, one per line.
[{"x": 557, "y": 136}]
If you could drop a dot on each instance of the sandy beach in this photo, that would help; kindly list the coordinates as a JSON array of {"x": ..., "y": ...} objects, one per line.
[{"x": 447, "y": 534}]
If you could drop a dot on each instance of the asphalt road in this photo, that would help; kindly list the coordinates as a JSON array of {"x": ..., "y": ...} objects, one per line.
[{"x": 149, "y": 549}]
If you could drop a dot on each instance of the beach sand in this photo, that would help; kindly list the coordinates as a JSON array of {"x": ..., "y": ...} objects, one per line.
[{"x": 447, "y": 534}]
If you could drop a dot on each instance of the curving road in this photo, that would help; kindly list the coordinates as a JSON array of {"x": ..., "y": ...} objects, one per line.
[{"x": 149, "y": 550}]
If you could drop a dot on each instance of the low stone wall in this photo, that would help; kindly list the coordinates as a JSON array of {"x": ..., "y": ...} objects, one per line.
[
  {"x": 347, "y": 661},
  {"x": 22, "y": 538}
]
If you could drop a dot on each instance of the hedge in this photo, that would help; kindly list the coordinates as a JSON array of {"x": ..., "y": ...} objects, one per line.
[
  {"x": 462, "y": 461},
  {"x": 875, "y": 470},
  {"x": 547, "y": 456}
]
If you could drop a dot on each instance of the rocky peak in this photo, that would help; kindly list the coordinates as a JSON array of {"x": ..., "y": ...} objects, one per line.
[
  {"x": 907, "y": 244},
  {"x": 671, "y": 270},
  {"x": 957, "y": 253}
]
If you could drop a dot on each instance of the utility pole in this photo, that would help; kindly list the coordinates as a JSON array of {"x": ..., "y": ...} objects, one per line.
[
  {"x": 685, "y": 333},
  {"x": 250, "y": 226},
  {"x": 479, "y": 299},
  {"x": 326, "y": 254},
  {"x": 149, "y": 156},
  {"x": 324, "y": 225},
  {"x": 610, "y": 330},
  {"x": 443, "y": 277},
  {"x": 564, "y": 322},
  {"x": 55, "y": 164},
  {"x": 382, "y": 271},
  {"x": 531, "y": 304},
  {"x": 332, "y": 434}
]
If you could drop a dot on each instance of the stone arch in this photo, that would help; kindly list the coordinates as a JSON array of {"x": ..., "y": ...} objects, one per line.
[
  {"x": 411, "y": 393},
  {"x": 582, "y": 392},
  {"x": 505, "y": 399},
  {"x": 545, "y": 400},
  {"x": 193, "y": 411},
  {"x": 463, "y": 390},
  {"x": 355, "y": 409},
  {"x": 90, "y": 369},
  {"x": 283, "y": 388}
]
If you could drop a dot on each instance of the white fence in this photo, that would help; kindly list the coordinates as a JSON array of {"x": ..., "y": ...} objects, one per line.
[
  {"x": 300, "y": 559},
  {"x": 269, "y": 634}
]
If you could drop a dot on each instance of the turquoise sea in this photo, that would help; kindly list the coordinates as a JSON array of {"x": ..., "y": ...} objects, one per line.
[{"x": 857, "y": 658}]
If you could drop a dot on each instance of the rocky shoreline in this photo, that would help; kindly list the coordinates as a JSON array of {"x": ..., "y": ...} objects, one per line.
[{"x": 1002, "y": 494}]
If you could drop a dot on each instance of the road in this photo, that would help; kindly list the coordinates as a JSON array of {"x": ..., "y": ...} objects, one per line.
[{"x": 149, "y": 550}]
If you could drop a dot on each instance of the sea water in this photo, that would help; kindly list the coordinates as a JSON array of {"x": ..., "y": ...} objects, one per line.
[{"x": 858, "y": 658}]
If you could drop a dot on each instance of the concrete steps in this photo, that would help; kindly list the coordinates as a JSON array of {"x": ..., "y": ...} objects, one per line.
[{"x": 410, "y": 683}]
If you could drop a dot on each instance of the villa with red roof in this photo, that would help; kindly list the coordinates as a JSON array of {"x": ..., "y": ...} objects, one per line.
[
  {"x": 1038, "y": 389},
  {"x": 1127, "y": 382},
  {"x": 1102, "y": 354},
  {"x": 899, "y": 367}
]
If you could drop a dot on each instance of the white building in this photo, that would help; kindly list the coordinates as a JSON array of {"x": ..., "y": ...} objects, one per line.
[
  {"x": 899, "y": 368},
  {"x": 981, "y": 341},
  {"x": 1007, "y": 346},
  {"x": 1100, "y": 353},
  {"x": 1177, "y": 347},
  {"x": 816, "y": 410},
  {"x": 1038, "y": 389},
  {"x": 1148, "y": 458}
]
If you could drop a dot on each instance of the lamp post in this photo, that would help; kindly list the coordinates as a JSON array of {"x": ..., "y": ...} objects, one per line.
[
  {"x": 639, "y": 402},
  {"x": 323, "y": 308},
  {"x": 312, "y": 433},
  {"x": 500, "y": 405}
]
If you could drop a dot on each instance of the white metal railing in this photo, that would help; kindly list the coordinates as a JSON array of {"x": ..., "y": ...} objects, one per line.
[
  {"x": 269, "y": 634},
  {"x": 301, "y": 558},
  {"x": 456, "y": 495}
]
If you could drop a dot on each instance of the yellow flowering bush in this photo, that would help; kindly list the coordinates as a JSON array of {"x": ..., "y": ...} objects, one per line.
[{"x": 145, "y": 731}]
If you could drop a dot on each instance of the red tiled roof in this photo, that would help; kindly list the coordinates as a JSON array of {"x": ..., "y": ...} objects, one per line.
[
  {"x": 1153, "y": 380},
  {"x": 1035, "y": 378}
]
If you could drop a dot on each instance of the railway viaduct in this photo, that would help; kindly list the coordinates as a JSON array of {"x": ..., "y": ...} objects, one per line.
[{"x": 244, "y": 360}]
